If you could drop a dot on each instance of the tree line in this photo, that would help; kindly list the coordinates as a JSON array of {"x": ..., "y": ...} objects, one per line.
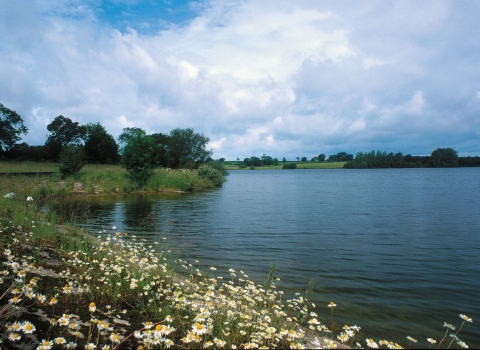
[
  {"x": 440, "y": 158},
  {"x": 181, "y": 148}
]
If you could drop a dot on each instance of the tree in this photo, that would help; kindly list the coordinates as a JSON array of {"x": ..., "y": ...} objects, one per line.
[
  {"x": 161, "y": 141},
  {"x": 127, "y": 134},
  {"x": 11, "y": 126},
  {"x": 187, "y": 149},
  {"x": 71, "y": 159},
  {"x": 64, "y": 132},
  {"x": 139, "y": 158},
  {"x": 321, "y": 157},
  {"x": 444, "y": 157},
  {"x": 100, "y": 146},
  {"x": 304, "y": 159}
]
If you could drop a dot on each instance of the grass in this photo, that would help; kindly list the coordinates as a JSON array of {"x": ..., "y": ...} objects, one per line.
[
  {"x": 300, "y": 165},
  {"x": 25, "y": 167},
  {"x": 92, "y": 179}
]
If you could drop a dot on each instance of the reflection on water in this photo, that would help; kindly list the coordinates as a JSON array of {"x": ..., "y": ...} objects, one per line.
[{"x": 398, "y": 250}]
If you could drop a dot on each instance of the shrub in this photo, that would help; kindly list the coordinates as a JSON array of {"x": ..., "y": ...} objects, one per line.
[
  {"x": 212, "y": 174},
  {"x": 71, "y": 159},
  {"x": 290, "y": 166},
  {"x": 139, "y": 158}
]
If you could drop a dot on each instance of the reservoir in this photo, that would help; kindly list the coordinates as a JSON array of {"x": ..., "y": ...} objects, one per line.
[{"x": 398, "y": 250}]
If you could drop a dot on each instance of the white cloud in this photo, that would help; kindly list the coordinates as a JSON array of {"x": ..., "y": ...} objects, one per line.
[{"x": 271, "y": 76}]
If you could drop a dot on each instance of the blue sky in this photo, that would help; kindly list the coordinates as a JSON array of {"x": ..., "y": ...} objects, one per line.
[{"x": 282, "y": 78}]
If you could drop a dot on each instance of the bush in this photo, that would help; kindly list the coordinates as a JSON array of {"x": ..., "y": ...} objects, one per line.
[
  {"x": 219, "y": 165},
  {"x": 71, "y": 159},
  {"x": 211, "y": 174},
  {"x": 290, "y": 166},
  {"x": 139, "y": 158}
]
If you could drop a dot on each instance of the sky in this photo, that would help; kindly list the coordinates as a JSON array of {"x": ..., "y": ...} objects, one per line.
[{"x": 282, "y": 78}]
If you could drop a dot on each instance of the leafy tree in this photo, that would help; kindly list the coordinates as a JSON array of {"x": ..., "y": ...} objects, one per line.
[
  {"x": 100, "y": 146},
  {"x": 187, "y": 149},
  {"x": 11, "y": 126},
  {"x": 321, "y": 157},
  {"x": 71, "y": 159},
  {"x": 163, "y": 157},
  {"x": 284, "y": 160},
  {"x": 444, "y": 157},
  {"x": 64, "y": 132},
  {"x": 139, "y": 158},
  {"x": 304, "y": 159},
  {"x": 127, "y": 134}
]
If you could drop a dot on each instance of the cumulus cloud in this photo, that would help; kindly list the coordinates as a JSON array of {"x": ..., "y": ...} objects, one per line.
[{"x": 278, "y": 77}]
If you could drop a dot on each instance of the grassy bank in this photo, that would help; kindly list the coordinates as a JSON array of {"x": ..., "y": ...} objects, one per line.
[
  {"x": 92, "y": 179},
  {"x": 300, "y": 165}
]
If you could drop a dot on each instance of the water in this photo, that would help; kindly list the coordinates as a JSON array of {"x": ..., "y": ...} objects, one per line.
[{"x": 398, "y": 250}]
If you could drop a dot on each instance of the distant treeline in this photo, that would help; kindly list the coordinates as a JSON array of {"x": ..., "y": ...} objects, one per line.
[{"x": 440, "y": 158}]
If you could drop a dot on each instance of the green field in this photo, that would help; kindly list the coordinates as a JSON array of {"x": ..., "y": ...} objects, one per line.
[
  {"x": 27, "y": 167},
  {"x": 300, "y": 165}
]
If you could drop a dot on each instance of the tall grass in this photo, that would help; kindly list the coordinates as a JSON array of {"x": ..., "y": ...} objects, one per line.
[{"x": 98, "y": 179}]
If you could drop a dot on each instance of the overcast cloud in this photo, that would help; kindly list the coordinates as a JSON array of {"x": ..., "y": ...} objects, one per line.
[{"x": 285, "y": 78}]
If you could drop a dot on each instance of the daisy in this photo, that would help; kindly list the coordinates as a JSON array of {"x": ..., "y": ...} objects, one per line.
[
  {"x": 199, "y": 329},
  {"x": 60, "y": 340},
  {"x": 466, "y": 318},
  {"x": 14, "y": 336},
  {"x": 28, "y": 327}
]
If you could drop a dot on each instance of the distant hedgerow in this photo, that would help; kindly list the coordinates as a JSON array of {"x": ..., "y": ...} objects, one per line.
[{"x": 290, "y": 166}]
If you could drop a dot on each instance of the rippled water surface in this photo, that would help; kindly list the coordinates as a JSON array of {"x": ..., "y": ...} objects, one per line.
[{"x": 398, "y": 250}]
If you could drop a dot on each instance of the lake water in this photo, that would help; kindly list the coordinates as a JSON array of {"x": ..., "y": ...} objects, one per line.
[{"x": 398, "y": 250}]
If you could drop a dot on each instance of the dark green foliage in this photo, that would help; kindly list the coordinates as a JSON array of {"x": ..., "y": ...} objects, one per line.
[
  {"x": 71, "y": 159},
  {"x": 263, "y": 161},
  {"x": 186, "y": 149},
  {"x": 444, "y": 158},
  {"x": 290, "y": 166},
  {"x": 100, "y": 146},
  {"x": 139, "y": 158},
  {"x": 340, "y": 157},
  {"x": 441, "y": 157},
  {"x": 321, "y": 157},
  {"x": 304, "y": 159},
  {"x": 11, "y": 126},
  {"x": 63, "y": 131},
  {"x": 212, "y": 174},
  {"x": 219, "y": 165},
  {"x": 24, "y": 152},
  {"x": 469, "y": 161},
  {"x": 162, "y": 155},
  {"x": 127, "y": 134}
]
